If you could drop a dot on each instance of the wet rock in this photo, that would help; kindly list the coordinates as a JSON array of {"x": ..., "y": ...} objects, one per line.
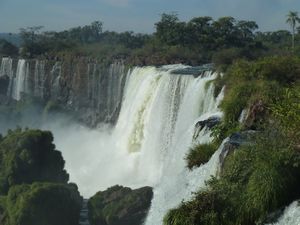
[
  {"x": 120, "y": 206},
  {"x": 90, "y": 90},
  {"x": 4, "y": 82},
  {"x": 195, "y": 70},
  {"x": 255, "y": 114},
  {"x": 208, "y": 123},
  {"x": 235, "y": 140}
]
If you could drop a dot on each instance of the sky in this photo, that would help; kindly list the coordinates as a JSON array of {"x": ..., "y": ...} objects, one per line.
[{"x": 137, "y": 15}]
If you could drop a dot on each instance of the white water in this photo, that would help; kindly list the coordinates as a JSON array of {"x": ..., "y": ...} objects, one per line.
[
  {"x": 149, "y": 142},
  {"x": 291, "y": 215},
  {"x": 39, "y": 79},
  {"x": 177, "y": 183},
  {"x": 6, "y": 67},
  {"x": 19, "y": 84}
]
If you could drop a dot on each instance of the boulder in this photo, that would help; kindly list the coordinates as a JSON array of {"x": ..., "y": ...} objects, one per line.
[
  {"x": 209, "y": 123},
  {"x": 255, "y": 115},
  {"x": 234, "y": 142},
  {"x": 43, "y": 204},
  {"x": 120, "y": 206}
]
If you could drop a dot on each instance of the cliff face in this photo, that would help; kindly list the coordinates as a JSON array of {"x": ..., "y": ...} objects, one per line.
[{"x": 90, "y": 89}]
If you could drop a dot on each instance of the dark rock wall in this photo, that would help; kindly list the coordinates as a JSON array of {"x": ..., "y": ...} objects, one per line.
[{"x": 90, "y": 89}]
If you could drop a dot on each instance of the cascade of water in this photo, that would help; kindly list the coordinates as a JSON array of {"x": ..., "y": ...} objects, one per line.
[
  {"x": 291, "y": 215},
  {"x": 148, "y": 144},
  {"x": 6, "y": 69},
  {"x": 19, "y": 80},
  {"x": 177, "y": 183},
  {"x": 55, "y": 76},
  {"x": 116, "y": 80},
  {"x": 39, "y": 79}
]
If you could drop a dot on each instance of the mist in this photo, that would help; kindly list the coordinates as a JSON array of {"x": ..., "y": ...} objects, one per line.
[{"x": 92, "y": 157}]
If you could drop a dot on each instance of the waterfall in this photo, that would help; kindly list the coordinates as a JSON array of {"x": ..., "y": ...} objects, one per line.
[
  {"x": 155, "y": 111},
  {"x": 19, "y": 84},
  {"x": 39, "y": 79},
  {"x": 6, "y": 69},
  {"x": 150, "y": 139},
  {"x": 177, "y": 183},
  {"x": 93, "y": 91},
  {"x": 156, "y": 124},
  {"x": 291, "y": 215}
]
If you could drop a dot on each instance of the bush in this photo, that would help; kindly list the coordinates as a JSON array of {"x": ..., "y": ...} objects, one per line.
[
  {"x": 28, "y": 156},
  {"x": 120, "y": 206},
  {"x": 223, "y": 58},
  {"x": 248, "y": 83},
  {"x": 286, "y": 110},
  {"x": 43, "y": 204},
  {"x": 198, "y": 211},
  {"x": 200, "y": 154},
  {"x": 264, "y": 176},
  {"x": 256, "y": 180}
]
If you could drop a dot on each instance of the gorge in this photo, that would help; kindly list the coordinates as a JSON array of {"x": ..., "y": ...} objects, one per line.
[
  {"x": 135, "y": 124},
  {"x": 152, "y": 132}
]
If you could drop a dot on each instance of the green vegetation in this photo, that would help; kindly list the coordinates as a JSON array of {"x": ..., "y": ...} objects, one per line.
[
  {"x": 292, "y": 19},
  {"x": 43, "y": 204},
  {"x": 255, "y": 181},
  {"x": 7, "y": 49},
  {"x": 200, "y": 40},
  {"x": 262, "y": 73},
  {"x": 263, "y": 177},
  {"x": 200, "y": 154},
  {"x": 255, "y": 85},
  {"x": 28, "y": 156},
  {"x": 120, "y": 205},
  {"x": 33, "y": 181}
]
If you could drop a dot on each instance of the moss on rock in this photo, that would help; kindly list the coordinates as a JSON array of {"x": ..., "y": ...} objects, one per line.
[
  {"x": 120, "y": 206},
  {"x": 43, "y": 204}
]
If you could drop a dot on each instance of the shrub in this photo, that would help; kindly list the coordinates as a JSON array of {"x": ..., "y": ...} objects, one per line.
[
  {"x": 247, "y": 83},
  {"x": 198, "y": 211},
  {"x": 225, "y": 57},
  {"x": 286, "y": 110},
  {"x": 43, "y": 204},
  {"x": 28, "y": 156},
  {"x": 120, "y": 205},
  {"x": 200, "y": 154},
  {"x": 256, "y": 180}
]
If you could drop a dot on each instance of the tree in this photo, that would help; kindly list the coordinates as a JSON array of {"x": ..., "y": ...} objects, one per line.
[
  {"x": 29, "y": 34},
  {"x": 225, "y": 32},
  {"x": 30, "y": 38},
  {"x": 292, "y": 20},
  {"x": 169, "y": 29},
  {"x": 6, "y": 48},
  {"x": 97, "y": 27},
  {"x": 247, "y": 29},
  {"x": 199, "y": 31},
  {"x": 43, "y": 204},
  {"x": 28, "y": 156}
]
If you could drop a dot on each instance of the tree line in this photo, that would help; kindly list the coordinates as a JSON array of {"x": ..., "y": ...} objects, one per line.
[{"x": 173, "y": 40}]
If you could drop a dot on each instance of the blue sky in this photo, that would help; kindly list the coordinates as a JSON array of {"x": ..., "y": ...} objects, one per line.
[{"x": 137, "y": 15}]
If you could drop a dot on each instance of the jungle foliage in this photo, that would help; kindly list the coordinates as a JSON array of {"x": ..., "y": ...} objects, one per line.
[
  {"x": 262, "y": 177},
  {"x": 33, "y": 182},
  {"x": 199, "y": 40}
]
